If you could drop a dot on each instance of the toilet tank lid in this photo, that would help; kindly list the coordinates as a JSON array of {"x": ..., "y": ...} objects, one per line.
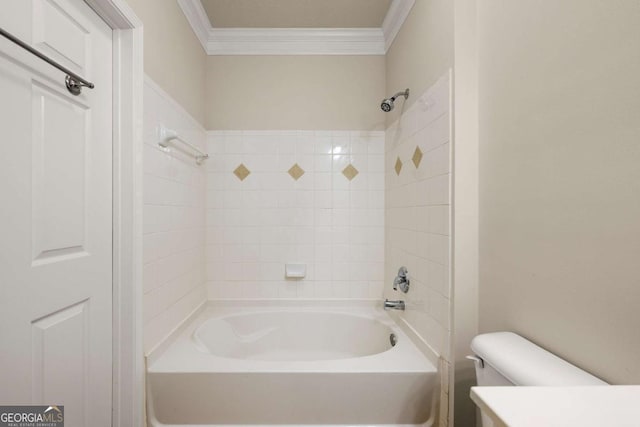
[{"x": 526, "y": 364}]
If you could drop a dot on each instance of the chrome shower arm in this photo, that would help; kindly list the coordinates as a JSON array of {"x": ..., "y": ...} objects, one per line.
[{"x": 404, "y": 93}]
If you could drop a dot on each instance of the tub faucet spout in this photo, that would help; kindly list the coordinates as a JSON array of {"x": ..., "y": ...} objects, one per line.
[{"x": 395, "y": 305}]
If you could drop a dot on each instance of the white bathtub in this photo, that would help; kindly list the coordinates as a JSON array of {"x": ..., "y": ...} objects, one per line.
[{"x": 296, "y": 366}]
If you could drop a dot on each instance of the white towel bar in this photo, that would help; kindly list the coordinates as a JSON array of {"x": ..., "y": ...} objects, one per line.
[{"x": 168, "y": 135}]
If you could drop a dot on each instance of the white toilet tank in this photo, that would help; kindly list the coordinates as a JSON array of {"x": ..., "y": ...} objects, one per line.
[
  {"x": 505, "y": 358},
  {"x": 510, "y": 359}
]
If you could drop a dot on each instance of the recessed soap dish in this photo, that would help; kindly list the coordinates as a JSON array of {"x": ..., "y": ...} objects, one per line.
[{"x": 295, "y": 271}]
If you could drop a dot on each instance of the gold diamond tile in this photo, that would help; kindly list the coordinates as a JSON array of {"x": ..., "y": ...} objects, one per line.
[
  {"x": 296, "y": 171},
  {"x": 241, "y": 172},
  {"x": 350, "y": 172},
  {"x": 417, "y": 157},
  {"x": 398, "y": 166}
]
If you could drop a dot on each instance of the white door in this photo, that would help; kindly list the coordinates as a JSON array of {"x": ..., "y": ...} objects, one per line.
[{"x": 56, "y": 212}]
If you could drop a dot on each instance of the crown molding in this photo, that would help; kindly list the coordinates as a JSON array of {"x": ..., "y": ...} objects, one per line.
[
  {"x": 198, "y": 19},
  {"x": 295, "y": 41},
  {"x": 397, "y": 14}
]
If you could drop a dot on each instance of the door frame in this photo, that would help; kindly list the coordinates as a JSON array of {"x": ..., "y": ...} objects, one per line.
[{"x": 128, "y": 359}]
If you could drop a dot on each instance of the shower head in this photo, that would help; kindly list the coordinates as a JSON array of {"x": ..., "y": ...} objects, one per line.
[{"x": 388, "y": 104}]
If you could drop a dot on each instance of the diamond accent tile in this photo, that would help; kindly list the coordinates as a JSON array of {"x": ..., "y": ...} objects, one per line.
[
  {"x": 241, "y": 172},
  {"x": 296, "y": 171},
  {"x": 350, "y": 172},
  {"x": 398, "y": 166},
  {"x": 417, "y": 157}
]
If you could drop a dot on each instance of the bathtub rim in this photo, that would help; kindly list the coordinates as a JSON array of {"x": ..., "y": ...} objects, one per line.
[
  {"x": 170, "y": 357},
  {"x": 152, "y": 355}
]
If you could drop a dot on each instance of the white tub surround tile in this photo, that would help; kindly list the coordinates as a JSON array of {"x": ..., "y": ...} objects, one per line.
[
  {"x": 174, "y": 219},
  {"x": 417, "y": 214},
  {"x": 278, "y": 197}
]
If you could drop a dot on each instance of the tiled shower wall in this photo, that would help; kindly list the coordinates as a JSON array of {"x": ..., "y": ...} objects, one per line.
[
  {"x": 174, "y": 219},
  {"x": 418, "y": 209},
  {"x": 276, "y": 197}
]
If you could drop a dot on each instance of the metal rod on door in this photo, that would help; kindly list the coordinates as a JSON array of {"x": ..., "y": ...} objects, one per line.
[{"x": 74, "y": 82}]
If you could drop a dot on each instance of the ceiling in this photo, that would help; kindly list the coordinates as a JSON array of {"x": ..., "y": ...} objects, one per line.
[{"x": 296, "y": 13}]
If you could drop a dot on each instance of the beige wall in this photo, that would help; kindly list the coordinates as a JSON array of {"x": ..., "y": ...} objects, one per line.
[
  {"x": 559, "y": 105},
  {"x": 421, "y": 52},
  {"x": 465, "y": 217},
  {"x": 173, "y": 56},
  {"x": 295, "y": 92}
]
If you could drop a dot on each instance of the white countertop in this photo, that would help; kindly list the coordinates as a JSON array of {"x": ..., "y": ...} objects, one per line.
[{"x": 591, "y": 406}]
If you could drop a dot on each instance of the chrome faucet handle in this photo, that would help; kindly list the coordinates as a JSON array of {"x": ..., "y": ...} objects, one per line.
[
  {"x": 402, "y": 272},
  {"x": 401, "y": 280}
]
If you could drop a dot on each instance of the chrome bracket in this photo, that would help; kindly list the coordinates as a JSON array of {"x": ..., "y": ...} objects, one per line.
[{"x": 75, "y": 86}]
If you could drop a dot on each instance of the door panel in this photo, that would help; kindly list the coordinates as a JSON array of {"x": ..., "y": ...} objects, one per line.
[
  {"x": 56, "y": 212},
  {"x": 60, "y": 351},
  {"x": 61, "y": 35},
  {"x": 58, "y": 173}
]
